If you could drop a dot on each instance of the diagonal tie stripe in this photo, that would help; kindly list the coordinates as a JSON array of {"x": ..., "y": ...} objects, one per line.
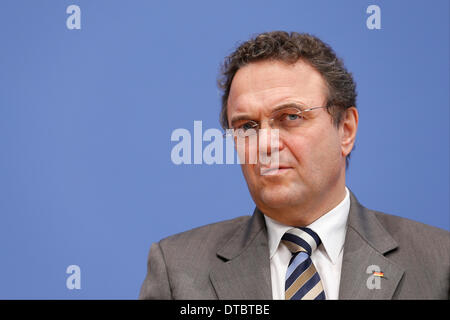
[
  {"x": 302, "y": 279},
  {"x": 296, "y": 244},
  {"x": 306, "y": 292},
  {"x": 301, "y": 239},
  {"x": 295, "y": 282},
  {"x": 298, "y": 270},
  {"x": 294, "y": 263}
]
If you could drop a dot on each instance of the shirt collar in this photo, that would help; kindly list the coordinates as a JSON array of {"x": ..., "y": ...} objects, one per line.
[{"x": 331, "y": 228}]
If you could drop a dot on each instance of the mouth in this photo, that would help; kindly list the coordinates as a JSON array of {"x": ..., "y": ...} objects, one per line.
[{"x": 272, "y": 171}]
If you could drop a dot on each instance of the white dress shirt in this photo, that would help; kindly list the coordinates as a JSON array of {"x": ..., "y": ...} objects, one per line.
[{"x": 327, "y": 258}]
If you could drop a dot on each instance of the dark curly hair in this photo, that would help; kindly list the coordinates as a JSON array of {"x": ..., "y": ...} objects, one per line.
[{"x": 289, "y": 48}]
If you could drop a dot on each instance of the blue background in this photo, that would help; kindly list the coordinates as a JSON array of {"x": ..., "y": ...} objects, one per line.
[{"x": 86, "y": 117}]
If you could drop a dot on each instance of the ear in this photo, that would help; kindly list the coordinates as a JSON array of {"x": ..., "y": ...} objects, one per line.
[{"x": 347, "y": 130}]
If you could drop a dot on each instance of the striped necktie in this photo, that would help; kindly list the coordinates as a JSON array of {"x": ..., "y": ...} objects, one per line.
[{"x": 302, "y": 280}]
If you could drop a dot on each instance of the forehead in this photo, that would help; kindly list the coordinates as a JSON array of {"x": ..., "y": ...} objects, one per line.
[{"x": 260, "y": 86}]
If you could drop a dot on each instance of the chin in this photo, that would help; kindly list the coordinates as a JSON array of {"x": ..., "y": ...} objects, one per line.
[{"x": 280, "y": 197}]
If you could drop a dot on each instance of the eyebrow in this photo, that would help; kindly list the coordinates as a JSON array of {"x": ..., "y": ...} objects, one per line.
[{"x": 298, "y": 105}]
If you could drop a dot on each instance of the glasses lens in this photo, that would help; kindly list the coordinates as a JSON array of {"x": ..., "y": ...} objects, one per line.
[
  {"x": 245, "y": 132},
  {"x": 245, "y": 129},
  {"x": 287, "y": 118}
]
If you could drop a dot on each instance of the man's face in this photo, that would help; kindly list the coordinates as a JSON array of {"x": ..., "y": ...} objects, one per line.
[{"x": 311, "y": 160}]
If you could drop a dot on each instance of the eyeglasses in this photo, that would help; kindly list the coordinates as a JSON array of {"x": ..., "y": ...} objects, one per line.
[{"x": 282, "y": 119}]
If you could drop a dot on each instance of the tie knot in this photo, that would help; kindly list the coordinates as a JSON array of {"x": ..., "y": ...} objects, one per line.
[{"x": 301, "y": 239}]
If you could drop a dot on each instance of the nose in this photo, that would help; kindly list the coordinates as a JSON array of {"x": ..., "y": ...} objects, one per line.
[{"x": 270, "y": 140}]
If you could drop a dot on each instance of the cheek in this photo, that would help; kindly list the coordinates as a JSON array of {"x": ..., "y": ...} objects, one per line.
[
  {"x": 315, "y": 152},
  {"x": 301, "y": 149}
]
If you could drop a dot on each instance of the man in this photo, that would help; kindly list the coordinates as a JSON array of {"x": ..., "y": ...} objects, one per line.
[{"x": 308, "y": 238}]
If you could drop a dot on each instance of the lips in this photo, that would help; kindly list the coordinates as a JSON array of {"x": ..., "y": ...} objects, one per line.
[{"x": 267, "y": 171}]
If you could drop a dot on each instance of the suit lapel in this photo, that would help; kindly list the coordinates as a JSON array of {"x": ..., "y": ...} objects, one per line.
[
  {"x": 365, "y": 246},
  {"x": 245, "y": 273}
]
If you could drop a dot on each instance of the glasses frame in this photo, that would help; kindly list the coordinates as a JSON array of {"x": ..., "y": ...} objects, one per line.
[{"x": 270, "y": 121}]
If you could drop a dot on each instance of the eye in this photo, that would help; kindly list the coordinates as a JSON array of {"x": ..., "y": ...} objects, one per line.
[
  {"x": 292, "y": 117},
  {"x": 248, "y": 125}
]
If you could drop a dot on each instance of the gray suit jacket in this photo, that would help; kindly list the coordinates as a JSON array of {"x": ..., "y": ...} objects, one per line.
[{"x": 230, "y": 260}]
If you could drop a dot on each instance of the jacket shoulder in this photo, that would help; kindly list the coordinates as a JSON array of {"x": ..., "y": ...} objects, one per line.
[
  {"x": 423, "y": 252},
  {"x": 179, "y": 265},
  {"x": 406, "y": 227},
  {"x": 417, "y": 236},
  {"x": 205, "y": 238}
]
